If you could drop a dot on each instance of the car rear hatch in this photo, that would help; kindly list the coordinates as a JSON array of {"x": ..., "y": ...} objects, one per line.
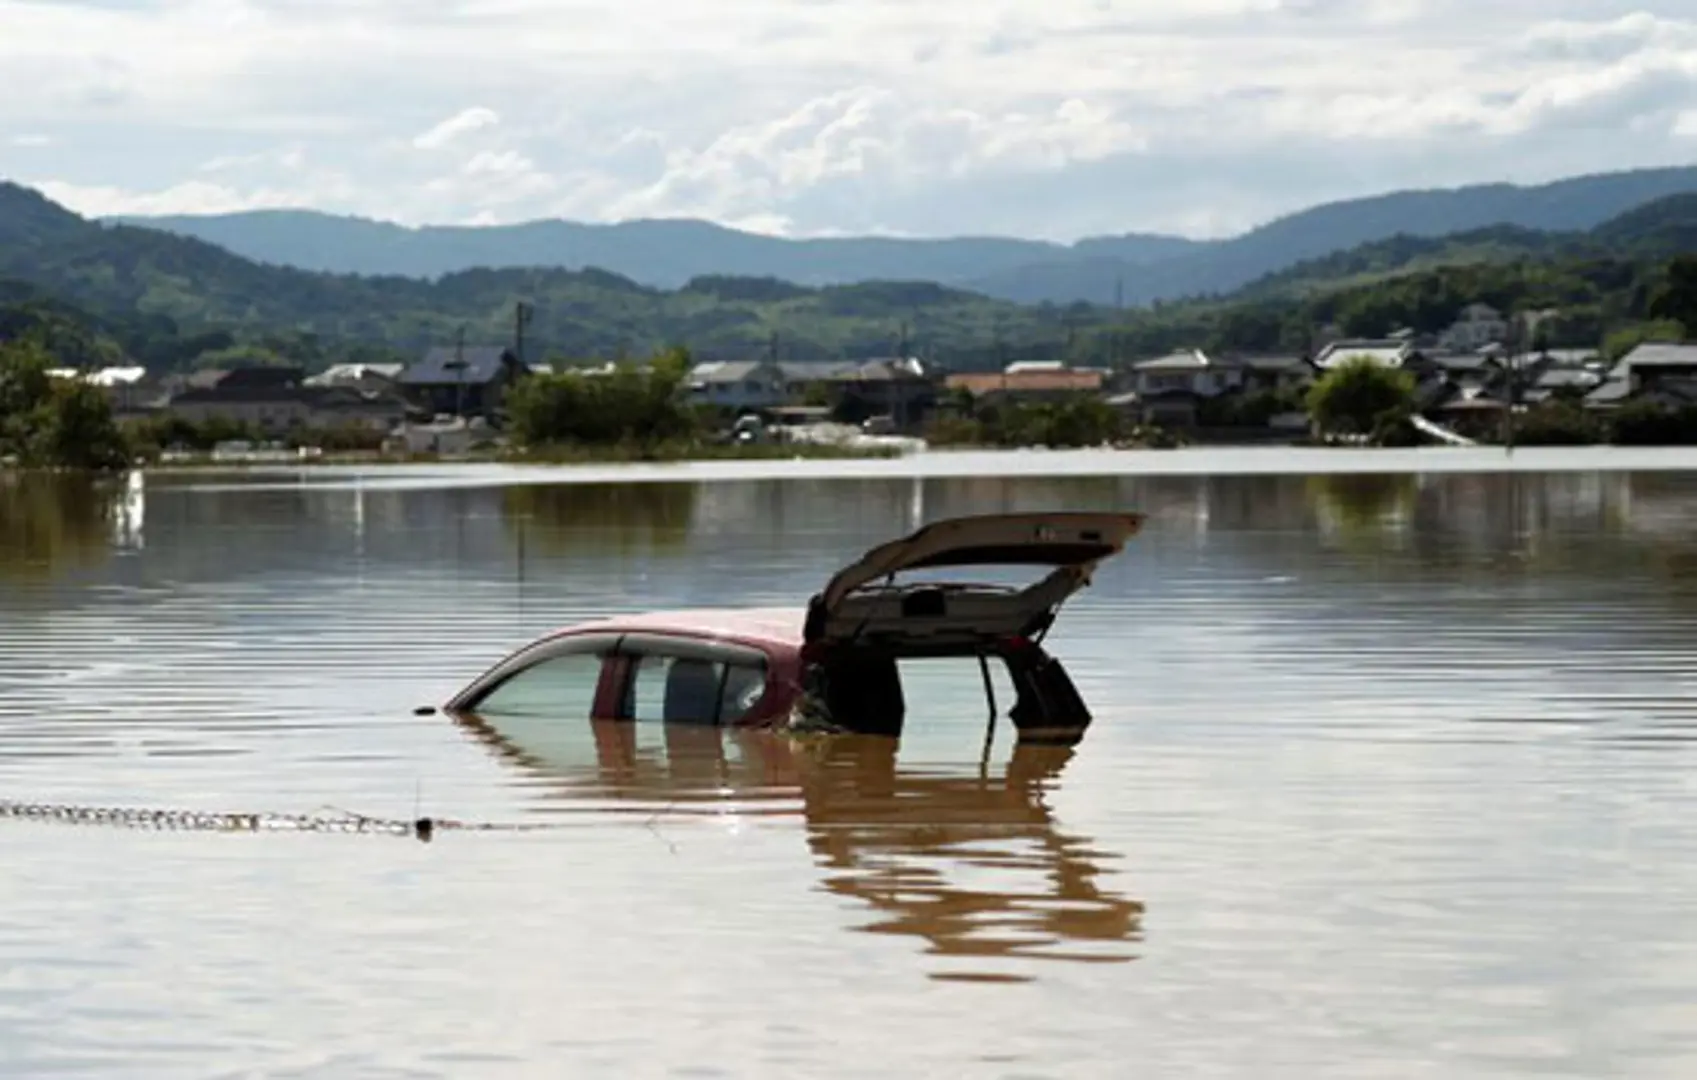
[{"x": 864, "y": 605}]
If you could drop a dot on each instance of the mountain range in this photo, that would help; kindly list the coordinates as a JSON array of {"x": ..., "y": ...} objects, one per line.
[
  {"x": 104, "y": 290},
  {"x": 1133, "y": 269}
]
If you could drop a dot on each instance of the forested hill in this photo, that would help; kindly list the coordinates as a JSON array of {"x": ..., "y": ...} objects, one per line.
[
  {"x": 167, "y": 300},
  {"x": 122, "y": 273}
]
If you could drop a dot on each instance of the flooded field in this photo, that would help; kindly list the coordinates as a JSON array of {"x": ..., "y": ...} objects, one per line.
[{"x": 1391, "y": 775}]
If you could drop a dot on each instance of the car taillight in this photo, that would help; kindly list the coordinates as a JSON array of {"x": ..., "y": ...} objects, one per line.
[{"x": 1016, "y": 643}]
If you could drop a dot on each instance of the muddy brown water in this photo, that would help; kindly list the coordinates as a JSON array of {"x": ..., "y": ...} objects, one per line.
[{"x": 1391, "y": 775}]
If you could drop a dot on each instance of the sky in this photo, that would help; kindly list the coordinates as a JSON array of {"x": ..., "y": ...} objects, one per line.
[{"x": 1052, "y": 119}]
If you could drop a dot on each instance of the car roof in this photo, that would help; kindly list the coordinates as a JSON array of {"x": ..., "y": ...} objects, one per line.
[{"x": 777, "y": 627}]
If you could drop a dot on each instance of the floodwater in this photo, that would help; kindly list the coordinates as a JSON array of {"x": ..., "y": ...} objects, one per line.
[{"x": 1392, "y": 775}]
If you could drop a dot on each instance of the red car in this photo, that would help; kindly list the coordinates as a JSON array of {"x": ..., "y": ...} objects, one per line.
[{"x": 835, "y": 660}]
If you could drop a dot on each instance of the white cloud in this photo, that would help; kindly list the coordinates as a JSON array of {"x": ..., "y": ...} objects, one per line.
[
  {"x": 1610, "y": 39},
  {"x": 462, "y": 122},
  {"x": 1057, "y": 119}
]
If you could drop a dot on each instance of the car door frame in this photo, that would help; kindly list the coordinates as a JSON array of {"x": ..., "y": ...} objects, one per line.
[
  {"x": 620, "y": 668},
  {"x": 602, "y": 642}
]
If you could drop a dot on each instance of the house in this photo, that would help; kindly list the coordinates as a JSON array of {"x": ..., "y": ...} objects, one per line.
[
  {"x": 1392, "y": 352},
  {"x": 203, "y": 379},
  {"x": 374, "y": 378},
  {"x": 738, "y": 385},
  {"x": 1042, "y": 385},
  {"x": 1477, "y": 325},
  {"x": 128, "y": 388},
  {"x": 897, "y": 387},
  {"x": 1557, "y": 382},
  {"x": 1275, "y": 372},
  {"x": 468, "y": 381},
  {"x": 1472, "y": 409},
  {"x": 280, "y": 410},
  {"x": 274, "y": 376},
  {"x": 1191, "y": 371},
  {"x": 1656, "y": 361},
  {"x": 1644, "y": 372},
  {"x": 802, "y": 376},
  {"x": 1477, "y": 364},
  {"x": 444, "y": 435},
  {"x": 1169, "y": 389}
]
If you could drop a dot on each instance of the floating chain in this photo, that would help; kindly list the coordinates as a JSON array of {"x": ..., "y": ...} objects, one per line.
[{"x": 338, "y": 821}]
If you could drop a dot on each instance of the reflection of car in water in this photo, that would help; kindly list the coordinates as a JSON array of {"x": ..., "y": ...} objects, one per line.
[
  {"x": 890, "y": 837},
  {"x": 837, "y": 660}
]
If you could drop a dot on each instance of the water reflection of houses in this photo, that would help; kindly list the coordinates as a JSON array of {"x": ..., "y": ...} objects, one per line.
[
  {"x": 1530, "y": 520},
  {"x": 973, "y": 864},
  {"x": 798, "y": 531}
]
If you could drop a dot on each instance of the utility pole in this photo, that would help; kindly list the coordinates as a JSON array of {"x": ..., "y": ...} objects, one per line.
[
  {"x": 1514, "y": 373},
  {"x": 522, "y": 314},
  {"x": 459, "y": 372},
  {"x": 898, "y": 379}
]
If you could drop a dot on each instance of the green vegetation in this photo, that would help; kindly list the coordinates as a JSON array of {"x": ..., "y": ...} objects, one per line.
[
  {"x": 167, "y": 300},
  {"x": 1644, "y": 423},
  {"x": 1074, "y": 422},
  {"x": 634, "y": 413},
  {"x": 1676, "y": 300},
  {"x": 53, "y": 423},
  {"x": 631, "y": 405},
  {"x": 83, "y": 295},
  {"x": 1361, "y": 396},
  {"x": 1559, "y": 423},
  {"x": 96, "y": 294}
]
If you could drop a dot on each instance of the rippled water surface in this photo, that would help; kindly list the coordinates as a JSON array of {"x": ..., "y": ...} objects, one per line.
[{"x": 1390, "y": 776}]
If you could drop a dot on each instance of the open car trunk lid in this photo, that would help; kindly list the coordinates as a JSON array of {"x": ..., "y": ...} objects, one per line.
[{"x": 863, "y": 604}]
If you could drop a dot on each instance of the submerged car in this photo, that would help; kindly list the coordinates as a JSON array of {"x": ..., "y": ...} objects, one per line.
[{"x": 833, "y": 662}]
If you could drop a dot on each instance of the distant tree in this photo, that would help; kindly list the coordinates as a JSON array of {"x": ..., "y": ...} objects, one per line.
[
  {"x": 1676, "y": 301},
  {"x": 1360, "y": 395},
  {"x": 1624, "y": 340},
  {"x": 74, "y": 429},
  {"x": 24, "y": 384},
  {"x": 636, "y": 405},
  {"x": 54, "y": 423}
]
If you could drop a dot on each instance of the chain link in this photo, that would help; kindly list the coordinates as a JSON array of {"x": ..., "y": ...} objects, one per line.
[{"x": 336, "y": 821}]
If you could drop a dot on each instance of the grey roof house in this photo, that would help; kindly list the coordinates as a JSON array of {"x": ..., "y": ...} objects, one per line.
[{"x": 472, "y": 381}]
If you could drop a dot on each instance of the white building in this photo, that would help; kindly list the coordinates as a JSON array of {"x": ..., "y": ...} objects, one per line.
[{"x": 1477, "y": 326}]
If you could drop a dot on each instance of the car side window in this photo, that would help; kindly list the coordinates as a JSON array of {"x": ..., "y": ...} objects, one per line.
[
  {"x": 744, "y": 685},
  {"x": 562, "y": 686},
  {"x": 692, "y": 689},
  {"x": 675, "y": 689}
]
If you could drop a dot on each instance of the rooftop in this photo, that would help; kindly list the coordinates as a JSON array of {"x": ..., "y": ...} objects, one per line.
[
  {"x": 482, "y": 364},
  {"x": 1185, "y": 360},
  {"x": 1389, "y": 351},
  {"x": 777, "y": 626},
  {"x": 107, "y": 376},
  {"x": 724, "y": 371},
  {"x": 1662, "y": 354},
  {"x": 990, "y": 382},
  {"x": 337, "y": 373},
  {"x": 317, "y": 397}
]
